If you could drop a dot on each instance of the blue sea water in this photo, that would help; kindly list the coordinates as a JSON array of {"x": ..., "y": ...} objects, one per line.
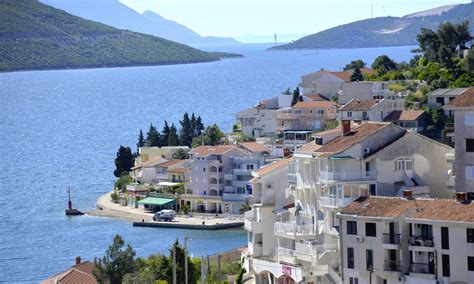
[{"x": 62, "y": 128}]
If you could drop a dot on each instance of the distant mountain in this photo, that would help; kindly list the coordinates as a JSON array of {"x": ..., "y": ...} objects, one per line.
[
  {"x": 116, "y": 14},
  {"x": 36, "y": 36},
  {"x": 384, "y": 31}
]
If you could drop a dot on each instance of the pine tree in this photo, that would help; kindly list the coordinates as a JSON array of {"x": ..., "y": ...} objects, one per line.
[
  {"x": 199, "y": 126},
  {"x": 193, "y": 126},
  {"x": 356, "y": 75},
  {"x": 165, "y": 135},
  {"x": 296, "y": 96},
  {"x": 153, "y": 138},
  {"x": 173, "y": 136},
  {"x": 124, "y": 161},
  {"x": 141, "y": 140},
  {"x": 180, "y": 257}
]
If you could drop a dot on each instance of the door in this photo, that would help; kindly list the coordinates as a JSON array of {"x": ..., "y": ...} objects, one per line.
[
  {"x": 392, "y": 232},
  {"x": 393, "y": 259}
]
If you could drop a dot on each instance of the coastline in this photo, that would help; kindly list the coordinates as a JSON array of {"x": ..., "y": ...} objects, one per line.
[{"x": 113, "y": 210}]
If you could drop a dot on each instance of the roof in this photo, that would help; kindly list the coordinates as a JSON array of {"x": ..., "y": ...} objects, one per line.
[
  {"x": 309, "y": 148},
  {"x": 404, "y": 115},
  {"x": 314, "y": 104},
  {"x": 447, "y": 92},
  {"x": 357, "y": 135},
  {"x": 343, "y": 75},
  {"x": 254, "y": 147},
  {"x": 466, "y": 99},
  {"x": 169, "y": 163},
  {"x": 365, "y": 70},
  {"x": 80, "y": 273},
  {"x": 156, "y": 201},
  {"x": 179, "y": 170},
  {"x": 359, "y": 105},
  {"x": 422, "y": 208},
  {"x": 316, "y": 97},
  {"x": 326, "y": 132},
  {"x": 210, "y": 150},
  {"x": 151, "y": 163},
  {"x": 273, "y": 166}
]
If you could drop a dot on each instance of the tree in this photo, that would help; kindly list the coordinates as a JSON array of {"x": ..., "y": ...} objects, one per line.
[
  {"x": 356, "y": 75},
  {"x": 198, "y": 126},
  {"x": 186, "y": 131},
  {"x": 153, "y": 138},
  {"x": 141, "y": 140},
  {"x": 124, "y": 161},
  {"x": 159, "y": 265},
  {"x": 355, "y": 64},
  {"x": 384, "y": 64},
  {"x": 180, "y": 154},
  {"x": 114, "y": 196},
  {"x": 240, "y": 276},
  {"x": 144, "y": 276},
  {"x": 180, "y": 258},
  {"x": 214, "y": 134},
  {"x": 296, "y": 96},
  {"x": 116, "y": 262},
  {"x": 173, "y": 136}
]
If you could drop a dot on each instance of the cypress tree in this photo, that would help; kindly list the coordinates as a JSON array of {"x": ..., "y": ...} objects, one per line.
[
  {"x": 141, "y": 140},
  {"x": 173, "y": 136},
  {"x": 153, "y": 138},
  {"x": 165, "y": 135},
  {"x": 185, "y": 134},
  {"x": 199, "y": 126},
  {"x": 124, "y": 161},
  {"x": 296, "y": 96}
]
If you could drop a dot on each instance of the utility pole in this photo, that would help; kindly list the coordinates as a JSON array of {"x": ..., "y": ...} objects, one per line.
[
  {"x": 174, "y": 264},
  {"x": 186, "y": 260},
  {"x": 219, "y": 268}
]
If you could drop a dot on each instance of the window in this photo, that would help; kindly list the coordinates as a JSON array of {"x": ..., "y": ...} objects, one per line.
[
  {"x": 404, "y": 165},
  {"x": 470, "y": 263},
  {"x": 249, "y": 167},
  {"x": 298, "y": 111},
  {"x": 469, "y": 145},
  {"x": 365, "y": 115},
  {"x": 446, "y": 268},
  {"x": 470, "y": 235},
  {"x": 203, "y": 169},
  {"x": 350, "y": 258},
  {"x": 353, "y": 280},
  {"x": 369, "y": 259},
  {"x": 349, "y": 114},
  {"x": 373, "y": 189},
  {"x": 351, "y": 227},
  {"x": 370, "y": 229},
  {"x": 440, "y": 100},
  {"x": 320, "y": 111},
  {"x": 469, "y": 118},
  {"x": 469, "y": 172},
  {"x": 444, "y": 238}
]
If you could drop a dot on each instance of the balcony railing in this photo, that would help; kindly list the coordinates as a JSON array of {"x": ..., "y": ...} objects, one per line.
[
  {"x": 393, "y": 239},
  {"x": 421, "y": 241},
  {"x": 235, "y": 197},
  {"x": 228, "y": 176},
  {"x": 292, "y": 178},
  {"x": 291, "y": 229},
  {"x": 334, "y": 202},
  {"x": 242, "y": 172},
  {"x": 423, "y": 268},
  {"x": 347, "y": 176},
  {"x": 391, "y": 265}
]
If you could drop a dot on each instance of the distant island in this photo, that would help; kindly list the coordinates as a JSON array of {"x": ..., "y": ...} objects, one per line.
[
  {"x": 383, "y": 31},
  {"x": 118, "y": 15},
  {"x": 35, "y": 36}
]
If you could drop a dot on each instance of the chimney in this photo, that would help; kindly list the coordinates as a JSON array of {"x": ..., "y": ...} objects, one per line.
[
  {"x": 461, "y": 197},
  {"x": 78, "y": 260},
  {"x": 408, "y": 194},
  {"x": 346, "y": 126}
]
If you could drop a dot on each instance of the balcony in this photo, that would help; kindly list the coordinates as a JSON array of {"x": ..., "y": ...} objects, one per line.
[
  {"x": 255, "y": 249},
  {"x": 251, "y": 224},
  {"x": 334, "y": 202},
  {"x": 347, "y": 176},
  {"x": 391, "y": 265},
  {"x": 239, "y": 183},
  {"x": 292, "y": 179},
  {"x": 421, "y": 243},
  {"x": 287, "y": 255},
  {"x": 287, "y": 115},
  {"x": 291, "y": 230},
  {"x": 422, "y": 268},
  {"x": 236, "y": 197},
  {"x": 391, "y": 241},
  {"x": 241, "y": 172},
  {"x": 228, "y": 177}
]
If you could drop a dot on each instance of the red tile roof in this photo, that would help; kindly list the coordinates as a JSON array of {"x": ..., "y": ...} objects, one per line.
[
  {"x": 209, "y": 150},
  {"x": 151, "y": 162},
  {"x": 421, "y": 208},
  {"x": 317, "y": 97},
  {"x": 465, "y": 99},
  {"x": 357, "y": 135},
  {"x": 273, "y": 166},
  {"x": 359, "y": 105},
  {"x": 169, "y": 163},
  {"x": 309, "y": 148},
  {"x": 254, "y": 147},
  {"x": 404, "y": 115},
  {"x": 343, "y": 75},
  {"x": 81, "y": 273},
  {"x": 314, "y": 104}
]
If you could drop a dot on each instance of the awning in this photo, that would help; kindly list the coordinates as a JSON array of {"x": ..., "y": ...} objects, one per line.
[
  {"x": 166, "y": 183},
  {"x": 156, "y": 201},
  {"x": 341, "y": 158}
]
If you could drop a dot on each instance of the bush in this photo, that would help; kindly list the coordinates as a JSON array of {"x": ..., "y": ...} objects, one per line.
[{"x": 114, "y": 196}]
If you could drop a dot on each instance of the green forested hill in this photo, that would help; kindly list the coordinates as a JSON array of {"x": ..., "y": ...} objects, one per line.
[
  {"x": 37, "y": 36},
  {"x": 382, "y": 31}
]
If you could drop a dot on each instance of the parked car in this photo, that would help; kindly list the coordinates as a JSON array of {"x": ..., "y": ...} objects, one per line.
[{"x": 164, "y": 215}]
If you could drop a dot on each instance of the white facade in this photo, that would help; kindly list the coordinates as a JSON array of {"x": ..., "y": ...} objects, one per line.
[
  {"x": 364, "y": 90},
  {"x": 378, "y": 112}
]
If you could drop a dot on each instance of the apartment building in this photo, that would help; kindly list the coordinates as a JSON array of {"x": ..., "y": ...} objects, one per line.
[
  {"x": 407, "y": 240},
  {"x": 305, "y": 116},
  {"x": 371, "y": 110},
  {"x": 219, "y": 175},
  {"x": 147, "y": 153},
  {"x": 260, "y": 121},
  {"x": 148, "y": 171},
  {"x": 463, "y": 108},
  {"x": 372, "y": 158},
  {"x": 363, "y": 90},
  {"x": 269, "y": 200},
  {"x": 411, "y": 119}
]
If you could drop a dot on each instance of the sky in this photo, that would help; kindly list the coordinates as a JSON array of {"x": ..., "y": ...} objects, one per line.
[{"x": 266, "y": 17}]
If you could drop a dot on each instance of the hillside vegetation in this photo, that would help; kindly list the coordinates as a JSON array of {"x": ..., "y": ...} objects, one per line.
[
  {"x": 37, "y": 36},
  {"x": 382, "y": 31}
]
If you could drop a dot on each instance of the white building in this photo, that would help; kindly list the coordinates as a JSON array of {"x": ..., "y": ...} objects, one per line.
[
  {"x": 148, "y": 171},
  {"x": 407, "y": 240},
  {"x": 363, "y": 90},
  {"x": 371, "y": 110},
  {"x": 442, "y": 97}
]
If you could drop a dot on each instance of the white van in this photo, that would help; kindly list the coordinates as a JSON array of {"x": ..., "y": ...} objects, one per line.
[{"x": 164, "y": 215}]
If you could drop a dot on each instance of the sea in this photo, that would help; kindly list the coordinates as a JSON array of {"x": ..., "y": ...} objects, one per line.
[{"x": 62, "y": 128}]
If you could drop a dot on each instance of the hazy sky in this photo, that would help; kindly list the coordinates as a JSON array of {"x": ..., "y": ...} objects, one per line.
[{"x": 239, "y": 17}]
